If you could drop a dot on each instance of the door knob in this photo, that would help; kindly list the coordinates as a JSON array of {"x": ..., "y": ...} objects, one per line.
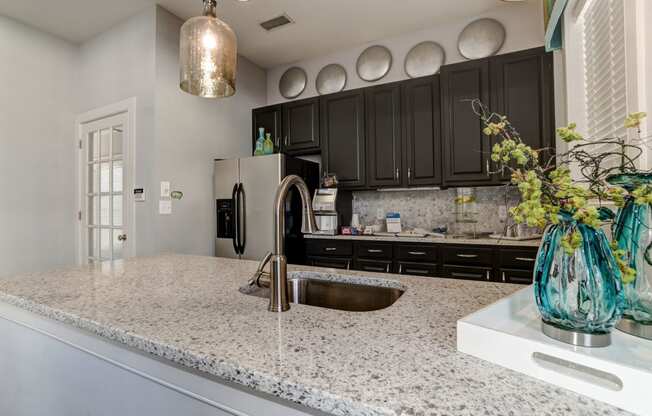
[{"x": 122, "y": 237}]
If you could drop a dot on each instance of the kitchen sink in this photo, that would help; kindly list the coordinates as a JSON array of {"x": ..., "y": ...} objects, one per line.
[{"x": 331, "y": 294}]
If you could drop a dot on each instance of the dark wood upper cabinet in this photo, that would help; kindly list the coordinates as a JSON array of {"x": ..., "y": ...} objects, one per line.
[
  {"x": 301, "y": 126},
  {"x": 269, "y": 118},
  {"x": 343, "y": 137},
  {"x": 384, "y": 144},
  {"x": 422, "y": 131},
  {"x": 522, "y": 89},
  {"x": 466, "y": 149}
]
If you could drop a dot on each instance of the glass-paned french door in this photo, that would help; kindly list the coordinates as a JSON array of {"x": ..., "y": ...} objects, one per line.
[{"x": 104, "y": 231}]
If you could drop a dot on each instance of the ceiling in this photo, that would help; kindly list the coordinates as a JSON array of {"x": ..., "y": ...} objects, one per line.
[{"x": 321, "y": 26}]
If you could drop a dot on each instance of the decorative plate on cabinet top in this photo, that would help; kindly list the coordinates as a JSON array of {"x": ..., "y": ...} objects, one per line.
[
  {"x": 331, "y": 78},
  {"x": 374, "y": 63},
  {"x": 293, "y": 82},
  {"x": 424, "y": 59},
  {"x": 481, "y": 38}
]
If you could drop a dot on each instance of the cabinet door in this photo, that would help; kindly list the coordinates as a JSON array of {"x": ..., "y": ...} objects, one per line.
[
  {"x": 521, "y": 277},
  {"x": 377, "y": 266},
  {"x": 522, "y": 88},
  {"x": 466, "y": 148},
  {"x": 422, "y": 131},
  {"x": 383, "y": 120},
  {"x": 466, "y": 272},
  {"x": 301, "y": 126},
  {"x": 329, "y": 262},
  {"x": 343, "y": 137},
  {"x": 418, "y": 269},
  {"x": 270, "y": 119}
]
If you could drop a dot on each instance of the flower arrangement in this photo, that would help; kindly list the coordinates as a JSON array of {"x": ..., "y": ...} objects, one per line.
[{"x": 547, "y": 189}]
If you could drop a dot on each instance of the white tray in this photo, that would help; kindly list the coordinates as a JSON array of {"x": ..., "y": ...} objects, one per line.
[{"x": 508, "y": 333}]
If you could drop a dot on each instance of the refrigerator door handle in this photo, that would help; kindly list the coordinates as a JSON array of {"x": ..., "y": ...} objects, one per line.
[
  {"x": 242, "y": 232},
  {"x": 236, "y": 220}
]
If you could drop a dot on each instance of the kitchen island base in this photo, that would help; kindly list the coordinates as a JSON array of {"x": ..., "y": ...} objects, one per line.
[{"x": 50, "y": 368}]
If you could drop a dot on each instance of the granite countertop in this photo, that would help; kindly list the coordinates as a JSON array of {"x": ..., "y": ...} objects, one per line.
[
  {"x": 401, "y": 360},
  {"x": 436, "y": 240}
]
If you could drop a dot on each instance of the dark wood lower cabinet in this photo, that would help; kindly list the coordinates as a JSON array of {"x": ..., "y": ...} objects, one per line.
[
  {"x": 456, "y": 261},
  {"x": 417, "y": 269},
  {"x": 329, "y": 262},
  {"x": 378, "y": 266},
  {"x": 467, "y": 272}
]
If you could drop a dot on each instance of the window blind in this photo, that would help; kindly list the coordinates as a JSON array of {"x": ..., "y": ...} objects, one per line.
[{"x": 604, "y": 68}]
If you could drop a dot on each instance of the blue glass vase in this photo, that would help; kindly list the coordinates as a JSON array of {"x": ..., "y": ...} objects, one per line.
[
  {"x": 578, "y": 292},
  {"x": 632, "y": 232}
]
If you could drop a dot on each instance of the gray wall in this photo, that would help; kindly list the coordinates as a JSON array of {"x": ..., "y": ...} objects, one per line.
[
  {"x": 116, "y": 65},
  {"x": 37, "y": 156},
  {"x": 523, "y": 23},
  {"x": 190, "y": 133}
]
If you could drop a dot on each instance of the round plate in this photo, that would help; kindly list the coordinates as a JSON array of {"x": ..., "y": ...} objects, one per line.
[
  {"x": 424, "y": 59},
  {"x": 293, "y": 82},
  {"x": 481, "y": 38},
  {"x": 331, "y": 78},
  {"x": 374, "y": 63}
]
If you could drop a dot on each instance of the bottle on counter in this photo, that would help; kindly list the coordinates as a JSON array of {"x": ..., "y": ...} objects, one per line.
[
  {"x": 268, "y": 145},
  {"x": 259, "y": 151}
]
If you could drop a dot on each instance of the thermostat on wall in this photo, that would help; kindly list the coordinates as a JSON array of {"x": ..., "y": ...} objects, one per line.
[{"x": 139, "y": 195}]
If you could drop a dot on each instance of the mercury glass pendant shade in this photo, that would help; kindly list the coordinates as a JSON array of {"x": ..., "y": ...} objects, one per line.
[{"x": 208, "y": 55}]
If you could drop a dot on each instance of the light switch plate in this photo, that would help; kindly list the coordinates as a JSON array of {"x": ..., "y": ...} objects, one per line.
[
  {"x": 165, "y": 207},
  {"x": 165, "y": 189}
]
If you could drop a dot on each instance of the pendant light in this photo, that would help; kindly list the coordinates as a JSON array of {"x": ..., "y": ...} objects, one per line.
[{"x": 208, "y": 55}]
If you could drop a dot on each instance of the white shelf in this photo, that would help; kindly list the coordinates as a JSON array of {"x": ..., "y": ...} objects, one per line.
[{"x": 508, "y": 333}]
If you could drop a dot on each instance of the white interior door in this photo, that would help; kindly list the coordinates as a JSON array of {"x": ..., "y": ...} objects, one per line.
[{"x": 105, "y": 215}]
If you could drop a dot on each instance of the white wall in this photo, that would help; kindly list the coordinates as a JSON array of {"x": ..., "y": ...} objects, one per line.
[
  {"x": 116, "y": 65},
  {"x": 190, "y": 133},
  {"x": 523, "y": 23},
  {"x": 37, "y": 156}
]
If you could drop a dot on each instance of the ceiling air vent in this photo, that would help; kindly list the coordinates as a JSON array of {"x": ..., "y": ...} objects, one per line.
[{"x": 276, "y": 22}]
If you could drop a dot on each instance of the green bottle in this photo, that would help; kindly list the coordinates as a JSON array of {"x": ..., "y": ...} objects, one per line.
[
  {"x": 268, "y": 146},
  {"x": 260, "y": 142}
]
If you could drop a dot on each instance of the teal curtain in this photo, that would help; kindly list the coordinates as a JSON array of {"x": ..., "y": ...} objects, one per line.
[{"x": 554, "y": 13}]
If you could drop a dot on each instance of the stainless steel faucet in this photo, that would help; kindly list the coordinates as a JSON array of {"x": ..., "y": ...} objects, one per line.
[{"x": 278, "y": 298}]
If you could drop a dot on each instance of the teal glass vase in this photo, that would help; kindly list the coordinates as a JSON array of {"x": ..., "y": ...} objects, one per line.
[
  {"x": 578, "y": 292},
  {"x": 631, "y": 231}
]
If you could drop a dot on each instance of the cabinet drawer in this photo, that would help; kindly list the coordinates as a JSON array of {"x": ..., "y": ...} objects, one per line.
[
  {"x": 329, "y": 262},
  {"x": 466, "y": 272},
  {"x": 480, "y": 256},
  {"x": 374, "y": 250},
  {"x": 329, "y": 248},
  {"x": 518, "y": 258},
  {"x": 413, "y": 252},
  {"x": 418, "y": 269},
  {"x": 377, "y": 266},
  {"x": 523, "y": 277}
]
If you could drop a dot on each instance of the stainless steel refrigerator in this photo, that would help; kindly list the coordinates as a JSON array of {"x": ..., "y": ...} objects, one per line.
[{"x": 244, "y": 197}]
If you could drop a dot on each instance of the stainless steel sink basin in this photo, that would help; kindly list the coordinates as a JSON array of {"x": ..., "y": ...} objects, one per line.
[{"x": 330, "y": 294}]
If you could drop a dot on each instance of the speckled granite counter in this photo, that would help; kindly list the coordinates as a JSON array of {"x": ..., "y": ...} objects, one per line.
[
  {"x": 398, "y": 361},
  {"x": 434, "y": 240}
]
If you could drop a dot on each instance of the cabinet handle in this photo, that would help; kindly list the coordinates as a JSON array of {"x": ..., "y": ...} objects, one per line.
[
  {"x": 387, "y": 271},
  {"x": 400, "y": 269},
  {"x": 330, "y": 249},
  {"x": 467, "y": 256},
  {"x": 488, "y": 275},
  {"x": 374, "y": 250},
  {"x": 409, "y": 174},
  {"x": 285, "y": 141},
  {"x": 488, "y": 174},
  {"x": 525, "y": 259},
  {"x": 277, "y": 142},
  {"x": 348, "y": 265},
  {"x": 397, "y": 174},
  {"x": 417, "y": 253},
  {"x": 504, "y": 277}
]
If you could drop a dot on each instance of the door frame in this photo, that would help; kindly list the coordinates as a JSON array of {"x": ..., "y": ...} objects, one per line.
[{"x": 127, "y": 107}]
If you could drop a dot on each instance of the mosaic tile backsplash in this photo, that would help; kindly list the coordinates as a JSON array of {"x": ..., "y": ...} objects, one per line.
[{"x": 430, "y": 208}]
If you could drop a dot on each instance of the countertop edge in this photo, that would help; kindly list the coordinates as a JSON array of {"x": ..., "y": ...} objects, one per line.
[
  {"x": 529, "y": 244},
  {"x": 313, "y": 398}
]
